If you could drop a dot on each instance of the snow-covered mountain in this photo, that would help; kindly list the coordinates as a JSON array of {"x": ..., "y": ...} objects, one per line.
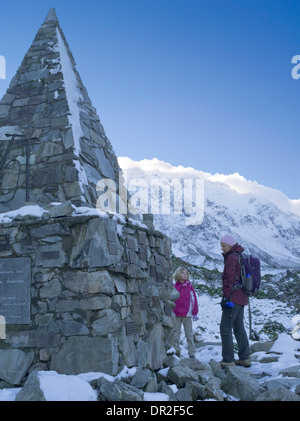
[{"x": 263, "y": 220}]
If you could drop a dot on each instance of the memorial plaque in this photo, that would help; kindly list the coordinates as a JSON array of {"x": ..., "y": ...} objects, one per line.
[
  {"x": 166, "y": 270},
  {"x": 133, "y": 257},
  {"x": 168, "y": 310},
  {"x": 131, "y": 243},
  {"x": 153, "y": 271},
  {"x": 158, "y": 259},
  {"x": 159, "y": 276},
  {"x": 111, "y": 235},
  {"x": 15, "y": 281},
  {"x": 144, "y": 303},
  {"x": 4, "y": 243},
  {"x": 143, "y": 253},
  {"x": 155, "y": 301},
  {"x": 50, "y": 255},
  {"x": 112, "y": 247},
  {"x": 142, "y": 237},
  {"x": 130, "y": 328},
  {"x": 167, "y": 253}
]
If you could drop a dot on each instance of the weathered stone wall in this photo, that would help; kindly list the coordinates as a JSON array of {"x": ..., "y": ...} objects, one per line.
[{"x": 100, "y": 294}]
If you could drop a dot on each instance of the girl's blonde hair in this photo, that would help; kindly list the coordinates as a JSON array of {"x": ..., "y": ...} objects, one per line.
[{"x": 179, "y": 271}]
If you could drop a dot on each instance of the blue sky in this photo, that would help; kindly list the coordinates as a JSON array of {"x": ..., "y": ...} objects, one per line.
[{"x": 200, "y": 83}]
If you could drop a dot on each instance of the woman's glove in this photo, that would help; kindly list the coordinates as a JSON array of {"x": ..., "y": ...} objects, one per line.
[
  {"x": 223, "y": 302},
  {"x": 195, "y": 318}
]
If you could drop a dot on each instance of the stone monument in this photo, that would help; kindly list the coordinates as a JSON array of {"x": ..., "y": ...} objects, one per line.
[{"x": 81, "y": 290}]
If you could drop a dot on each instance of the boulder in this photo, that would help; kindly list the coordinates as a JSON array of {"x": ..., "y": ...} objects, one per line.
[
  {"x": 291, "y": 371},
  {"x": 285, "y": 383},
  {"x": 14, "y": 365},
  {"x": 240, "y": 384},
  {"x": 118, "y": 391},
  {"x": 80, "y": 354},
  {"x": 280, "y": 394},
  {"x": 31, "y": 391},
  {"x": 180, "y": 375}
]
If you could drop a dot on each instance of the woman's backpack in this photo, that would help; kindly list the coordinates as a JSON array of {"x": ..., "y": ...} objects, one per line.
[{"x": 250, "y": 274}]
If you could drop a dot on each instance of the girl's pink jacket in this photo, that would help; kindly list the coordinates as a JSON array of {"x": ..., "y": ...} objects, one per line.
[{"x": 182, "y": 305}]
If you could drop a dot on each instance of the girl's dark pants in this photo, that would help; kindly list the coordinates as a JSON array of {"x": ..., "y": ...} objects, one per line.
[{"x": 233, "y": 319}]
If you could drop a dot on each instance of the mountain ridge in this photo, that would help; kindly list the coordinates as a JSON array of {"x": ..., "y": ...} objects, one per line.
[{"x": 257, "y": 223}]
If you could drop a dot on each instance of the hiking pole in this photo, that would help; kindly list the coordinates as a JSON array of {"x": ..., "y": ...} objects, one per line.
[
  {"x": 252, "y": 334},
  {"x": 250, "y": 319}
]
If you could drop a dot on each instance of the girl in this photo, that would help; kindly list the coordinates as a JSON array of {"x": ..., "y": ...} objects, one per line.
[{"x": 186, "y": 308}]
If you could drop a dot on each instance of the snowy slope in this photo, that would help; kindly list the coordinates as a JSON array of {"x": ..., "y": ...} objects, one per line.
[{"x": 263, "y": 220}]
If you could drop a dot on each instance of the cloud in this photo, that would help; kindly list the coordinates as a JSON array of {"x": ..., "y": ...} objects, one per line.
[
  {"x": 235, "y": 181},
  {"x": 241, "y": 185}
]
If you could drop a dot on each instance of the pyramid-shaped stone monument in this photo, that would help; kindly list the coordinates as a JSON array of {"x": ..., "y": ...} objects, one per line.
[
  {"x": 81, "y": 290},
  {"x": 47, "y": 110}
]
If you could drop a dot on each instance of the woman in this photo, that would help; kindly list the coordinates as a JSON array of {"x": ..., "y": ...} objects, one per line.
[{"x": 233, "y": 315}]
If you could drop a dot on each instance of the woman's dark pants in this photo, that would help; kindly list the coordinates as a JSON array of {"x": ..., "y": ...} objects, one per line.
[{"x": 233, "y": 319}]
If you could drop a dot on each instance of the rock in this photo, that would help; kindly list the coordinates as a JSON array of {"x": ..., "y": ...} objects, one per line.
[
  {"x": 269, "y": 359},
  {"x": 140, "y": 378},
  {"x": 285, "y": 383},
  {"x": 240, "y": 384},
  {"x": 212, "y": 389},
  {"x": 261, "y": 347},
  {"x": 64, "y": 209},
  {"x": 279, "y": 394},
  {"x": 31, "y": 391},
  {"x": 14, "y": 365},
  {"x": 152, "y": 385},
  {"x": 163, "y": 387},
  {"x": 118, "y": 391},
  {"x": 196, "y": 365},
  {"x": 197, "y": 390},
  {"x": 108, "y": 321},
  {"x": 90, "y": 282},
  {"x": 171, "y": 361},
  {"x": 291, "y": 371},
  {"x": 180, "y": 375},
  {"x": 217, "y": 369},
  {"x": 156, "y": 347},
  {"x": 183, "y": 395},
  {"x": 84, "y": 354}
]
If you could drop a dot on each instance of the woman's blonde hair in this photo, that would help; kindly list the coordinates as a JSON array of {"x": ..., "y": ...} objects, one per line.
[{"x": 179, "y": 271}]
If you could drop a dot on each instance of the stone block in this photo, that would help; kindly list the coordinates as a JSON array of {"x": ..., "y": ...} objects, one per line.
[
  {"x": 91, "y": 246},
  {"x": 81, "y": 354},
  {"x": 118, "y": 391},
  {"x": 14, "y": 365},
  {"x": 71, "y": 327},
  {"x": 240, "y": 384},
  {"x": 33, "y": 339},
  {"x": 108, "y": 322},
  {"x": 31, "y": 391},
  {"x": 89, "y": 282},
  {"x": 156, "y": 347},
  {"x": 92, "y": 303},
  {"x": 180, "y": 375}
]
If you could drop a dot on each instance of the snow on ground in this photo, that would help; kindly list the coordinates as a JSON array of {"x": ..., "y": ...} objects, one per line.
[{"x": 207, "y": 328}]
